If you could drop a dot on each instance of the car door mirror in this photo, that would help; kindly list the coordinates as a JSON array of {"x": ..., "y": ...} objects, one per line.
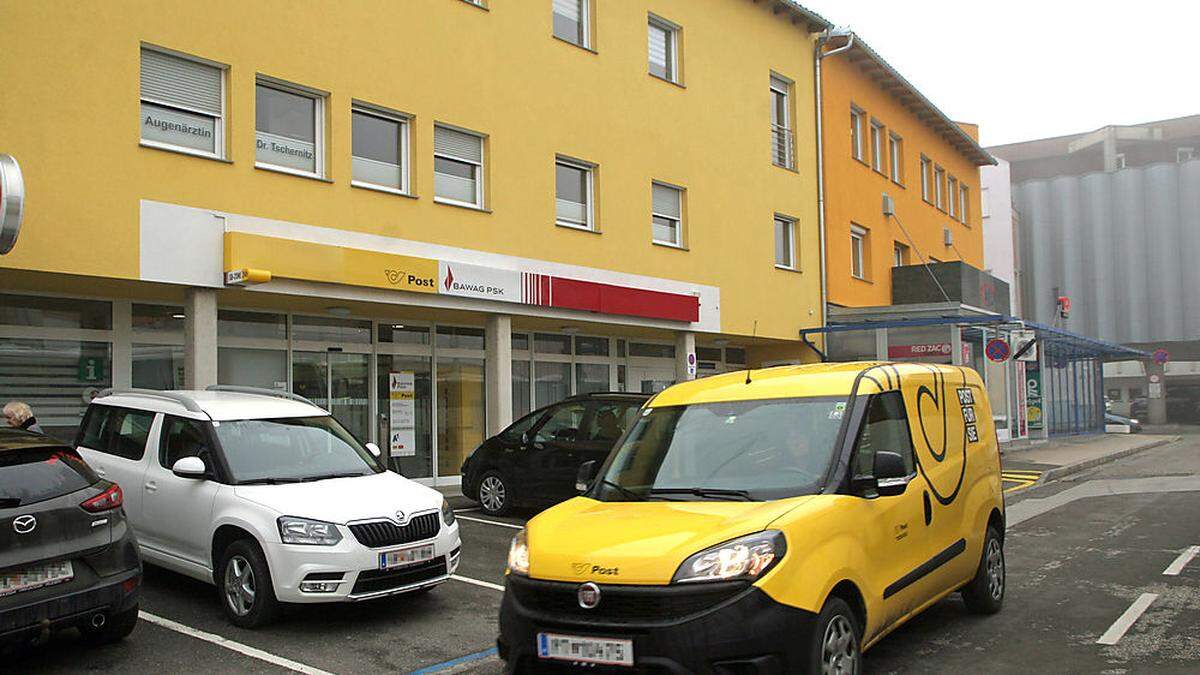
[
  {"x": 891, "y": 473},
  {"x": 583, "y": 479},
  {"x": 189, "y": 467},
  {"x": 375, "y": 450}
]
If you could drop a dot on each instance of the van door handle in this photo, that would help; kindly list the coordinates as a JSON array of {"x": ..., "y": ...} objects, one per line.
[{"x": 151, "y": 486}]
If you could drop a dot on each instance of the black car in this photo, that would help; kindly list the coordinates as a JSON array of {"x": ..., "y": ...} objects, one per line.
[
  {"x": 67, "y": 555},
  {"x": 535, "y": 460}
]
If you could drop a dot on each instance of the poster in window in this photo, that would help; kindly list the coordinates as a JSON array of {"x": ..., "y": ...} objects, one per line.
[{"x": 402, "y": 391}]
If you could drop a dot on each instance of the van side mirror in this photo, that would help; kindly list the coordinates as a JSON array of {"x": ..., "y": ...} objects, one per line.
[
  {"x": 189, "y": 467},
  {"x": 891, "y": 475},
  {"x": 375, "y": 450},
  {"x": 583, "y": 479}
]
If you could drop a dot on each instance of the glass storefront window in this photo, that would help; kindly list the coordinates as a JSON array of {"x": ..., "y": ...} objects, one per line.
[
  {"x": 234, "y": 323},
  {"x": 655, "y": 351},
  {"x": 520, "y": 389},
  {"x": 57, "y": 378},
  {"x": 621, "y": 348},
  {"x": 591, "y": 346},
  {"x": 460, "y": 411},
  {"x": 735, "y": 355},
  {"x": 520, "y": 342},
  {"x": 338, "y": 382},
  {"x": 552, "y": 382},
  {"x": 335, "y": 330},
  {"x": 591, "y": 377},
  {"x": 265, "y": 368},
  {"x": 400, "y": 334},
  {"x": 157, "y": 318},
  {"x": 415, "y": 458},
  {"x": 545, "y": 343},
  {"x": 708, "y": 354},
  {"x": 157, "y": 366},
  {"x": 28, "y": 310},
  {"x": 457, "y": 337}
]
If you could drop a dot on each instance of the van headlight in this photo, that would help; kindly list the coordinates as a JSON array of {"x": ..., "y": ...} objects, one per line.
[
  {"x": 746, "y": 557},
  {"x": 447, "y": 513},
  {"x": 305, "y": 531},
  {"x": 518, "y": 555}
]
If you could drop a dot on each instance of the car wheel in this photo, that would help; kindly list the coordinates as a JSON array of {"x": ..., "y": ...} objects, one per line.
[
  {"x": 985, "y": 593},
  {"x": 244, "y": 582},
  {"x": 837, "y": 641},
  {"x": 494, "y": 494},
  {"x": 116, "y": 628}
]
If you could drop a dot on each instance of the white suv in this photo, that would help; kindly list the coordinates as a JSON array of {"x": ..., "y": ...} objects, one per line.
[{"x": 267, "y": 496}]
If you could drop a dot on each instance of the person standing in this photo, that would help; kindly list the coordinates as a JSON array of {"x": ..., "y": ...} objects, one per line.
[{"x": 20, "y": 416}]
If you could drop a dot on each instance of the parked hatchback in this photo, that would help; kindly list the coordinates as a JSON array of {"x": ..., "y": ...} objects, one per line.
[
  {"x": 268, "y": 497},
  {"x": 534, "y": 461},
  {"x": 67, "y": 554}
]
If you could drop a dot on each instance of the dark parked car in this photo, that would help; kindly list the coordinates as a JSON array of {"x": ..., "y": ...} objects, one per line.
[
  {"x": 535, "y": 460},
  {"x": 1134, "y": 425},
  {"x": 67, "y": 555}
]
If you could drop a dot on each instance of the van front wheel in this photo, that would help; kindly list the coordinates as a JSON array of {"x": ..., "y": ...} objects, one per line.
[
  {"x": 836, "y": 642},
  {"x": 985, "y": 593}
]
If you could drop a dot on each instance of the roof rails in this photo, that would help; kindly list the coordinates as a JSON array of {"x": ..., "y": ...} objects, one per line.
[
  {"x": 184, "y": 400},
  {"x": 261, "y": 391}
]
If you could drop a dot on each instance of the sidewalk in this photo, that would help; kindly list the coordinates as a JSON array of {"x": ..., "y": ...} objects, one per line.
[{"x": 1065, "y": 456}]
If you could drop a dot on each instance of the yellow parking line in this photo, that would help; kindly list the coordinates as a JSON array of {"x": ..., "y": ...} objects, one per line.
[
  {"x": 1022, "y": 474},
  {"x": 1021, "y": 485}
]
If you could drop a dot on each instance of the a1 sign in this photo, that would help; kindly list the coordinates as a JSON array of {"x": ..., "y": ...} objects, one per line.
[{"x": 997, "y": 350}]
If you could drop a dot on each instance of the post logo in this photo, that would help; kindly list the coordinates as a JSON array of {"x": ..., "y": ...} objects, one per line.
[
  {"x": 394, "y": 276},
  {"x": 581, "y": 568}
]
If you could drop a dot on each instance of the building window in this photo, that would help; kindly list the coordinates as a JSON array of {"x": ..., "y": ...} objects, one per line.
[
  {"x": 925, "y": 179},
  {"x": 183, "y": 104},
  {"x": 1184, "y": 154},
  {"x": 856, "y": 143},
  {"x": 573, "y": 194},
  {"x": 858, "y": 251},
  {"x": 379, "y": 149},
  {"x": 664, "y": 49},
  {"x": 571, "y": 21},
  {"x": 964, "y": 204},
  {"x": 952, "y": 195},
  {"x": 984, "y": 204},
  {"x": 781, "y": 123},
  {"x": 899, "y": 255},
  {"x": 457, "y": 167},
  {"x": 288, "y": 128},
  {"x": 896, "y": 158},
  {"x": 785, "y": 242},
  {"x": 667, "y": 215},
  {"x": 939, "y": 187},
  {"x": 877, "y": 137}
]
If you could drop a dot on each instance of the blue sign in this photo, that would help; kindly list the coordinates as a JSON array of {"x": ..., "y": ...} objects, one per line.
[{"x": 997, "y": 350}]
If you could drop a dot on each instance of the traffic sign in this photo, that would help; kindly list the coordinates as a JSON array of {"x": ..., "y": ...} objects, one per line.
[
  {"x": 997, "y": 350},
  {"x": 1161, "y": 356},
  {"x": 1024, "y": 344}
]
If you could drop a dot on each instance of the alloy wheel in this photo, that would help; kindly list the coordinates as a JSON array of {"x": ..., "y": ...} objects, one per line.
[
  {"x": 492, "y": 493},
  {"x": 839, "y": 649},
  {"x": 239, "y": 585},
  {"x": 995, "y": 569}
]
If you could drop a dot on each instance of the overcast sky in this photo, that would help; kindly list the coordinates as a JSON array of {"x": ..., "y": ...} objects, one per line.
[{"x": 1024, "y": 70}]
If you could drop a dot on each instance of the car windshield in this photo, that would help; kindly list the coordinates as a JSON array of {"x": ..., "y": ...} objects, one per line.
[
  {"x": 292, "y": 449},
  {"x": 739, "y": 450}
]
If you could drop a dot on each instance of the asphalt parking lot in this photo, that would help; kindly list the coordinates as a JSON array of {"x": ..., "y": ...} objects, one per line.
[{"x": 1078, "y": 573}]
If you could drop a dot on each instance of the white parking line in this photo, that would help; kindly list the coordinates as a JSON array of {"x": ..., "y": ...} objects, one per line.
[
  {"x": 231, "y": 645},
  {"x": 490, "y": 522},
  {"x": 1184, "y": 558},
  {"x": 468, "y": 510},
  {"x": 477, "y": 582},
  {"x": 1116, "y": 631}
]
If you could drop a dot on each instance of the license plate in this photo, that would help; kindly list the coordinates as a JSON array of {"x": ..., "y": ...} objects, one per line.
[
  {"x": 585, "y": 649},
  {"x": 405, "y": 556},
  {"x": 15, "y": 581}
]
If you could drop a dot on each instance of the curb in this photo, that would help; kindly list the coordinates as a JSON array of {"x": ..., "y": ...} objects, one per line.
[{"x": 1070, "y": 469}]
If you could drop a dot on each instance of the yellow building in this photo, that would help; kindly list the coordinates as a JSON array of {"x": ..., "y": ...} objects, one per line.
[{"x": 430, "y": 216}]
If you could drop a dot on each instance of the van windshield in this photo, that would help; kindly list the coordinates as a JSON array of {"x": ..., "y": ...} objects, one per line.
[{"x": 737, "y": 450}]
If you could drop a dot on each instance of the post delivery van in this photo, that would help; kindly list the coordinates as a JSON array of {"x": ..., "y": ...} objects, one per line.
[{"x": 769, "y": 521}]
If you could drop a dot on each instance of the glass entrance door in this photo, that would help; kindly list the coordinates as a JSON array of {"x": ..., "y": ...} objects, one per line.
[{"x": 338, "y": 382}]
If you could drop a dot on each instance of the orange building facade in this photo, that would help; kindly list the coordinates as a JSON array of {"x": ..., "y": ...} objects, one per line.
[{"x": 882, "y": 138}]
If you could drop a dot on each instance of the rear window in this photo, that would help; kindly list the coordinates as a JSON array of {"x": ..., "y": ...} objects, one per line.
[{"x": 36, "y": 474}]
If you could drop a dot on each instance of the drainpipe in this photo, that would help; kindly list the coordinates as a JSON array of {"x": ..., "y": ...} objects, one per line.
[{"x": 824, "y": 39}]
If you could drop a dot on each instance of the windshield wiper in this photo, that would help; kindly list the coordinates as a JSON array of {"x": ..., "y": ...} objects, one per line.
[
  {"x": 623, "y": 490},
  {"x": 717, "y": 493},
  {"x": 325, "y": 476},
  {"x": 268, "y": 481},
  {"x": 9, "y": 502}
]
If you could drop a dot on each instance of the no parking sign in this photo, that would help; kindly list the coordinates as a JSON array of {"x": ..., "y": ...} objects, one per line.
[{"x": 997, "y": 350}]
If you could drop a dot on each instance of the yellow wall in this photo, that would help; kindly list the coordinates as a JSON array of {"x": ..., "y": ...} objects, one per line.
[
  {"x": 854, "y": 190},
  {"x": 70, "y": 115}
]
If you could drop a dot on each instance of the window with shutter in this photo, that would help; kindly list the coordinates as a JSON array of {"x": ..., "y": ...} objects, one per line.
[
  {"x": 667, "y": 215},
  {"x": 663, "y": 49},
  {"x": 379, "y": 149},
  {"x": 288, "y": 122},
  {"x": 571, "y": 21},
  {"x": 182, "y": 103},
  {"x": 457, "y": 167}
]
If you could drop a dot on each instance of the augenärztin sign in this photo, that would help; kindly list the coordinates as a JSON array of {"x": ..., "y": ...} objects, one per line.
[{"x": 12, "y": 202}]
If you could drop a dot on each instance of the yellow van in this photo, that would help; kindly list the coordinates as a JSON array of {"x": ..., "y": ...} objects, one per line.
[{"x": 768, "y": 521}]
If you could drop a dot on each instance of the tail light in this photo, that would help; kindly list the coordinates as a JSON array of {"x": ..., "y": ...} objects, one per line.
[{"x": 105, "y": 501}]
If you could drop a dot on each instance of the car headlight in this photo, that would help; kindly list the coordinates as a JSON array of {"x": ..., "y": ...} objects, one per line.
[
  {"x": 305, "y": 531},
  {"x": 518, "y": 555},
  {"x": 743, "y": 558},
  {"x": 447, "y": 513}
]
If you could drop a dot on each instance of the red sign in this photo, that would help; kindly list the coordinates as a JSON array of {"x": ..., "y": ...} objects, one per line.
[
  {"x": 1161, "y": 356},
  {"x": 919, "y": 350},
  {"x": 997, "y": 350}
]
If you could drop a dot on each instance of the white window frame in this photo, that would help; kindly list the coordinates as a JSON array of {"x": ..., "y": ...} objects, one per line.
[
  {"x": 782, "y": 86},
  {"x": 896, "y": 157},
  {"x": 926, "y": 165},
  {"x": 963, "y": 203},
  {"x": 856, "y": 133},
  {"x": 878, "y": 133},
  {"x": 678, "y": 221},
  {"x": 218, "y": 127},
  {"x": 790, "y": 224},
  {"x": 321, "y": 99},
  {"x": 858, "y": 252},
  {"x": 898, "y": 251},
  {"x": 590, "y": 207},
  {"x": 939, "y": 187},
  {"x": 952, "y": 194},
  {"x": 585, "y": 24},
  {"x": 405, "y": 122},
  {"x": 672, "y": 31},
  {"x": 479, "y": 175}
]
